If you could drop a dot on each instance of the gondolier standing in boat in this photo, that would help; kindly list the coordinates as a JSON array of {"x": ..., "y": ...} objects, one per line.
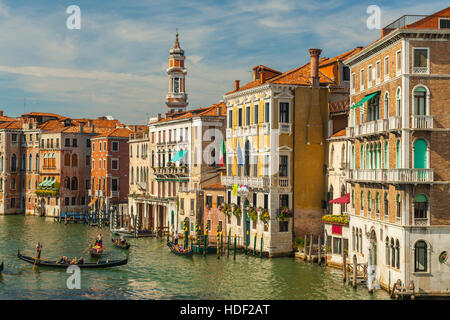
[
  {"x": 99, "y": 240},
  {"x": 38, "y": 250},
  {"x": 176, "y": 237}
]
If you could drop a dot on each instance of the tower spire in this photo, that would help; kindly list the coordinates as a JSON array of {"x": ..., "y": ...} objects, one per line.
[{"x": 176, "y": 99}]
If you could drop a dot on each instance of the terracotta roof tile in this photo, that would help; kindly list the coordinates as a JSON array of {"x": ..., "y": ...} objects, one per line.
[
  {"x": 207, "y": 111},
  {"x": 340, "y": 133},
  {"x": 214, "y": 186}
]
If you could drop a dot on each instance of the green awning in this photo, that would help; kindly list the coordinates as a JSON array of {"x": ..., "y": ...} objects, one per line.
[
  {"x": 42, "y": 183},
  {"x": 361, "y": 102},
  {"x": 420, "y": 198},
  {"x": 178, "y": 156}
]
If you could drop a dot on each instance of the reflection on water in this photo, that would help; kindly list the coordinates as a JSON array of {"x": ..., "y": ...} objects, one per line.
[{"x": 153, "y": 272}]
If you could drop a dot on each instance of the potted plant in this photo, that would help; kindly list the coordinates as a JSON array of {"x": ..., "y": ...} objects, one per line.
[
  {"x": 264, "y": 216},
  {"x": 226, "y": 208},
  {"x": 252, "y": 214},
  {"x": 237, "y": 211},
  {"x": 284, "y": 213}
]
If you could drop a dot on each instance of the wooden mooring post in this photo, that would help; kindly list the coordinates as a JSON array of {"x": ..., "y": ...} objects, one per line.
[
  {"x": 310, "y": 248},
  {"x": 319, "y": 251},
  {"x": 344, "y": 266},
  {"x": 355, "y": 271},
  {"x": 305, "y": 246}
]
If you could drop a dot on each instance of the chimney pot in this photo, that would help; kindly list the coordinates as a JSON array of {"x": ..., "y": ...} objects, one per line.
[
  {"x": 236, "y": 85},
  {"x": 314, "y": 66}
]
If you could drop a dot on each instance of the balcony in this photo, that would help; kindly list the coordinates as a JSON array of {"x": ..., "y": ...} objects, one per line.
[
  {"x": 238, "y": 132},
  {"x": 252, "y": 182},
  {"x": 265, "y": 128},
  {"x": 420, "y": 70},
  {"x": 229, "y": 133},
  {"x": 285, "y": 127},
  {"x": 246, "y": 130},
  {"x": 391, "y": 175},
  {"x": 283, "y": 182},
  {"x": 254, "y": 130},
  {"x": 421, "y": 122},
  {"x": 115, "y": 194},
  {"x": 421, "y": 222}
]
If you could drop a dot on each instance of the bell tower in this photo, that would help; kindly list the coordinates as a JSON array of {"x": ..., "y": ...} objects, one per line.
[{"x": 176, "y": 99}]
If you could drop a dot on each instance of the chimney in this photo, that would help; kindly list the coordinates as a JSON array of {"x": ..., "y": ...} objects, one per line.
[
  {"x": 262, "y": 77},
  {"x": 314, "y": 66},
  {"x": 81, "y": 127},
  {"x": 159, "y": 116},
  {"x": 236, "y": 85},
  {"x": 93, "y": 129},
  {"x": 1, "y": 113}
]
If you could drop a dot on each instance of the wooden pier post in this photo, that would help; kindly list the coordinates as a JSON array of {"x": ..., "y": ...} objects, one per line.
[
  {"x": 221, "y": 243},
  {"x": 310, "y": 248},
  {"x": 205, "y": 248},
  {"x": 254, "y": 245},
  {"x": 228, "y": 243},
  {"x": 355, "y": 270},
  {"x": 234, "y": 250},
  {"x": 246, "y": 244},
  {"x": 305, "y": 247},
  {"x": 262, "y": 247},
  {"x": 218, "y": 245},
  {"x": 319, "y": 251},
  {"x": 344, "y": 266}
]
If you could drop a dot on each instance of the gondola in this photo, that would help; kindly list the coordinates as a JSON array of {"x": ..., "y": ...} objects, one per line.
[
  {"x": 96, "y": 253},
  {"x": 99, "y": 264},
  {"x": 1, "y": 267},
  {"x": 187, "y": 253},
  {"x": 126, "y": 246}
]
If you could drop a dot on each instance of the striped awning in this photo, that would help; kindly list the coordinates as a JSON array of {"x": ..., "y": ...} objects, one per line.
[
  {"x": 178, "y": 156},
  {"x": 366, "y": 98}
]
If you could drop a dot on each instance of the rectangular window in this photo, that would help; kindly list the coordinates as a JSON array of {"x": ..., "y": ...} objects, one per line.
[
  {"x": 386, "y": 67},
  {"x": 255, "y": 113},
  {"x": 283, "y": 170},
  {"x": 337, "y": 246},
  {"x": 266, "y": 112},
  {"x": 399, "y": 60},
  {"x": 115, "y": 146},
  {"x": 182, "y": 203},
  {"x": 230, "y": 118},
  {"x": 284, "y": 226},
  {"x": 114, "y": 184},
  {"x": 208, "y": 201},
  {"x": 74, "y": 143},
  {"x": 444, "y": 23},
  {"x": 369, "y": 75},
  {"x": 284, "y": 112},
  {"x": 346, "y": 75},
  {"x": 115, "y": 164},
  {"x": 219, "y": 200},
  {"x": 74, "y": 201},
  {"x": 88, "y": 143},
  {"x": 66, "y": 201},
  {"x": 353, "y": 81},
  {"x": 67, "y": 142},
  {"x": 100, "y": 146},
  {"x": 378, "y": 70},
  {"x": 420, "y": 63},
  {"x": 228, "y": 197},
  {"x": 240, "y": 117},
  {"x": 247, "y": 116},
  {"x": 266, "y": 201},
  {"x": 193, "y": 205},
  {"x": 361, "y": 79}
]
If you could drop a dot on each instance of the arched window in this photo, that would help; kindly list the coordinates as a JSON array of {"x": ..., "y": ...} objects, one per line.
[
  {"x": 392, "y": 253},
  {"x": 74, "y": 183},
  {"x": 397, "y": 254},
  {"x": 13, "y": 163},
  {"x": 67, "y": 183},
  {"x": 420, "y": 154},
  {"x": 37, "y": 162},
  {"x": 398, "y": 210},
  {"x": 343, "y": 156},
  {"x": 420, "y": 256},
  {"x": 353, "y": 157},
  {"x": 386, "y": 205},
  {"x": 367, "y": 156},
  {"x": 53, "y": 160},
  {"x": 386, "y": 105},
  {"x": 386, "y": 155},
  {"x": 132, "y": 176},
  {"x": 398, "y": 155},
  {"x": 353, "y": 198},
  {"x": 362, "y": 201},
  {"x": 45, "y": 160},
  {"x": 379, "y": 155},
  {"x": 398, "y": 102},
  {"x": 330, "y": 197},
  {"x": 369, "y": 202},
  {"x": 378, "y": 202},
  {"x": 361, "y": 157},
  {"x": 66, "y": 160},
  {"x": 353, "y": 239},
  {"x": 420, "y": 101},
  {"x": 30, "y": 162},
  {"x": 388, "y": 251},
  {"x": 74, "y": 160}
]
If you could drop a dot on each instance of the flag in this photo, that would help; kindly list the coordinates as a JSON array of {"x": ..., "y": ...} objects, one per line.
[
  {"x": 223, "y": 153},
  {"x": 235, "y": 187},
  {"x": 239, "y": 155}
]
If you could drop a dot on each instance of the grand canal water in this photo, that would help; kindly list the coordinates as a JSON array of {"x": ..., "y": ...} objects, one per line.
[{"x": 153, "y": 272}]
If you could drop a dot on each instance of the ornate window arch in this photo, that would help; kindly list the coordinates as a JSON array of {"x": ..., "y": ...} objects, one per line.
[
  {"x": 421, "y": 100},
  {"x": 386, "y": 104},
  {"x": 398, "y": 101}
]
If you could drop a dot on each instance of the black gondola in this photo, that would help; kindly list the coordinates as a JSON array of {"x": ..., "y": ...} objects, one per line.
[
  {"x": 187, "y": 253},
  {"x": 121, "y": 246},
  {"x": 99, "y": 264},
  {"x": 1, "y": 267}
]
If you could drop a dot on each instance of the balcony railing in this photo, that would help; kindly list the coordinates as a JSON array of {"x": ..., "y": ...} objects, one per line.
[
  {"x": 265, "y": 128},
  {"x": 115, "y": 194},
  {"x": 421, "y": 70},
  {"x": 374, "y": 127},
  {"x": 229, "y": 133},
  {"x": 391, "y": 175},
  {"x": 283, "y": 182},
  {"x": 254, "y": 130},
  {"x": 421, "y": 222},
  {"x": 421, "y": 122},
  {"x": 285, "y": 127},
  {"x": 252, "y": 182}
]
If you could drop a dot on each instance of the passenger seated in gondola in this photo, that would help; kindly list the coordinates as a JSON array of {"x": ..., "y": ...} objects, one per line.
[
  {"x": 60, "y": 260},
  {"x": 81, "y": 260},
  {"x": 122, "y": 240},
  {"x": 74, "y": 261}
]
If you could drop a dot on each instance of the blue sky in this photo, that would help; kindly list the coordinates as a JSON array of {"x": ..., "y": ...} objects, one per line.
[{"x": 116, "y": 64}]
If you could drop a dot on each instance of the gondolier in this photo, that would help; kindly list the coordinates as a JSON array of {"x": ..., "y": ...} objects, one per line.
[{"x": 38, "y": 250}]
